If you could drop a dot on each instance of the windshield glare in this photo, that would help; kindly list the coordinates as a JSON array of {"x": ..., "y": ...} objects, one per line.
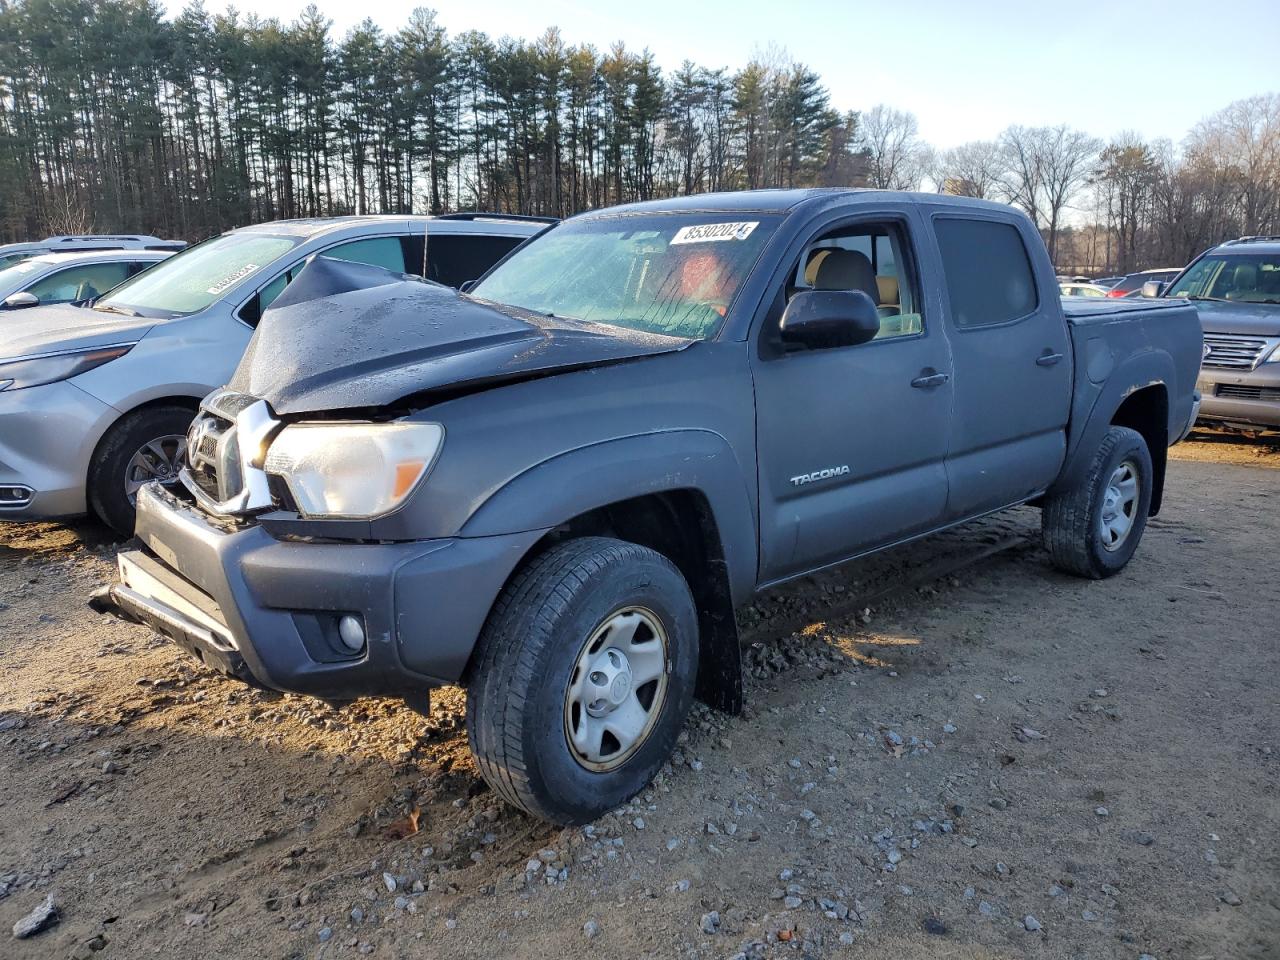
[
  {"x": 191, "y": 280},
  {"x": 15, "y": 276},
  {"x": 1246, "y": 278},
  {"x": 658, "y": 273}
]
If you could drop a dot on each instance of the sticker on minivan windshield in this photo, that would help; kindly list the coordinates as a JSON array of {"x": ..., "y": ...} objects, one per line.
[
  {"x": 708, "y": 232},
  {"x": 226, "y": 282}
]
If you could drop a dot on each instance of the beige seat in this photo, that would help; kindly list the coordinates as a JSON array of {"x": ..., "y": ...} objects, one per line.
[
  {"x": 890, "y": 305},
  {"x": 846, "y": 270}
]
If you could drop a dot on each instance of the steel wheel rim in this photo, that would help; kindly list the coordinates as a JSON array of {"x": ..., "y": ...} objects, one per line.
[
  {"x": 159, "y": 460},
  {"x": 1119, "y": 510},
  {"x": 617, "y": 689}
]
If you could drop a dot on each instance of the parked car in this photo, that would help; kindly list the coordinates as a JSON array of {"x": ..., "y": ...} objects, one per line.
[
  {"x": 1236, "y": 287},
  {"x": 557, "y": 489},
  {"x": 1107, "y": 282},
  {"x": 68, "y": 277},
  {"x": 93, "y": 403},
  {"x": 1130, "y": 285},
  {"x": 11, "y": 253},
  {"x": 1082, "y": 290}
]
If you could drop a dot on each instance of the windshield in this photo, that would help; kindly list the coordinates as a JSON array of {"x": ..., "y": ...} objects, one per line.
[
  {"x": 8, "y": 259},
  {"x": 1246, "y": 278},
  {"x": 673, "y": 274},
  {"x": 189, "y": 281},
  {"x": 15, "y": 277}
]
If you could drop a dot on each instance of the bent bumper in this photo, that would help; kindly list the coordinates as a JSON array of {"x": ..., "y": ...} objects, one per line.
[
  {"x": 47, "y": 435},
  {"x": 266, "y": 611},
  {"x": 1243, "y": 397}
]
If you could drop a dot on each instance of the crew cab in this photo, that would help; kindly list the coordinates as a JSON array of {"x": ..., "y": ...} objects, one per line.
[{"x": 556, "y": 488}]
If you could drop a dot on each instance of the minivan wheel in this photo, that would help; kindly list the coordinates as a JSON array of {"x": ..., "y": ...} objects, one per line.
[
  {"x": 1093, "y": 529},
  {"x": 582, "y": 678},
  {"x": 143, "y": 446}
]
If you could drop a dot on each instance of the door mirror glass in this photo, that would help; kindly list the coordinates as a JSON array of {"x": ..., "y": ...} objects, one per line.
[
  {"x": 818, "y": 319},
  {"x": 19, "y": 301},
  {"x": 1153, "y": 288}
]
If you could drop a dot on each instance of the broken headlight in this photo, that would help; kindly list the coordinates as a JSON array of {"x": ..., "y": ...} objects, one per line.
[{"x": 354, "y": 471}]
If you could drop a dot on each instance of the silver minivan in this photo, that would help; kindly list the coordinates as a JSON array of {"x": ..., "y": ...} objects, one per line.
[{"x": 94, "y": 403}]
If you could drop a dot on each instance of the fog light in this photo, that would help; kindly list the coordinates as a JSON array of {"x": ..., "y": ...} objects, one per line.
[{"x": 351, "y": 633}]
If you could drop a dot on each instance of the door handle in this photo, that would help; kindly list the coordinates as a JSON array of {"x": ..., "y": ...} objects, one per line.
[
  {"x": 1048, "y": 359},
  {"x": 932, "y": 380}
]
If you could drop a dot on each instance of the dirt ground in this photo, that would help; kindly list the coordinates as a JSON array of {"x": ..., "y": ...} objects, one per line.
[{"x": 950, "y": 751}]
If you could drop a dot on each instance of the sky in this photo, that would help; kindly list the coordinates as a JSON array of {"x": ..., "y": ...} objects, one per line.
[{"x": 966, "y": 69}]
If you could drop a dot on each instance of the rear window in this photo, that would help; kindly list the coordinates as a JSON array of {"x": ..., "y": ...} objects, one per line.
[{"x": 988, "y": 272}]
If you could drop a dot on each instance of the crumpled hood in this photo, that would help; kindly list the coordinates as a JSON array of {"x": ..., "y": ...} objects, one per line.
[
  {"x": 58, "y": 327},
  {"x": 346, "y": 336},
  {"x": 1244, "y": 319}
]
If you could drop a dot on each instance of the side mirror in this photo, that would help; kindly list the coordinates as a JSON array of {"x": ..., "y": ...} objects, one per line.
[
  {"x": 1153, "y": 288},
  {"x": 467, "y": 286},
  {"x": 830, "y": 318},
  {"x": 20, "y": 301}
]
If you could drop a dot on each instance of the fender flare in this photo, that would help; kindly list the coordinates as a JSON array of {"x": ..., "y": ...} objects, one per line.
[
  {"x": 1098, "y": 400},
  {"x": 576, "y": 482}
]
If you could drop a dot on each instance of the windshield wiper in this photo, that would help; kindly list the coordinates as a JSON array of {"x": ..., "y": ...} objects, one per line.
[
  {"x": 108, "y": 308},
  {"x": 1214, "y": 299}
]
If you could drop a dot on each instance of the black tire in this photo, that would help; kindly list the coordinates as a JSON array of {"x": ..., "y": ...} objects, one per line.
[
  {"x": 520, "y": 674},
  {"x": 1071, "y": 521},
  {"x": 106, "y": 480}
]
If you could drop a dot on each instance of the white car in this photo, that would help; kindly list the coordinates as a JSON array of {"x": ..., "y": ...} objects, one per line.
[
  {"x": 69, "y": 277},
  {"x": 1082, "y": 290}
]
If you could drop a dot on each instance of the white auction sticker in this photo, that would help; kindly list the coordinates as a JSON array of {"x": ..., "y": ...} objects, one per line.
[
  {"x": 709, "y": 232},
  {"x": 226, "y": 282}
]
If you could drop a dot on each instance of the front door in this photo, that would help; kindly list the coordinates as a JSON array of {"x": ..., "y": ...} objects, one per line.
[{"x": 852, "y": 440}]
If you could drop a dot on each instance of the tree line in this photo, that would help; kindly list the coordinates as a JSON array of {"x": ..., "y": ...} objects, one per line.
[{"x": 114, "y": 117}]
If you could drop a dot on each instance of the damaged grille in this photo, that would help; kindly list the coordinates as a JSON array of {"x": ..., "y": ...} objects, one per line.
[{"x": 217, "y": 472}]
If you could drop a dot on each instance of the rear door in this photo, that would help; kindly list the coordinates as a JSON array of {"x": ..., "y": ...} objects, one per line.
[
  {"x": 1012, "y": 359},
  {"x": 851, "y": 441}
]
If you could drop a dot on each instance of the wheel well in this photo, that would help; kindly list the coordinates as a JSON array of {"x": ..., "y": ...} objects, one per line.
[
  {"x": 190, "y": 403},
  {"x": 1147, "y": 411},
  {"x": 680, "y": 525}
]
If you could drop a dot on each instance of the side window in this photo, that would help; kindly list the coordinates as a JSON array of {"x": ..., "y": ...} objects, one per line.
[
  {"x": 453, "y": 259},
  {"x": 384, "y": 252},
  {"x": 988, "y": 272},
  {"x": 79, "y": 283},
  {"x": 871, "y": 258}
]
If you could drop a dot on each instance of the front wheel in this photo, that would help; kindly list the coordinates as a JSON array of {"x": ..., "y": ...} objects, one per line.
[
  {"x": 582, "y": 678},
  {"x": 1092, "y": 529}
]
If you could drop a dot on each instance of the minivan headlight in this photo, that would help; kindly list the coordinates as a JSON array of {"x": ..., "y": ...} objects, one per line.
[
  {"x": 52, "y": 367},
  {"x": 353, "y": 470}
]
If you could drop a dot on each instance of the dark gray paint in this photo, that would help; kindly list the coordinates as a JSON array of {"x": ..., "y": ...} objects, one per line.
[{"x": 547, "y": 419}]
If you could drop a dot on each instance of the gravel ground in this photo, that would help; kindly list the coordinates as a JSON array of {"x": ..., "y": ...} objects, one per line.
[{"x": 949, "y": 751}]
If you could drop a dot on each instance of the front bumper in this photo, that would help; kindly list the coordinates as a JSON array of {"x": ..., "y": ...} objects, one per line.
[
  {"x": 266, "y": 610},
  {"x": 47, "y": 436},
  {"x": 1249, "y": 398}
]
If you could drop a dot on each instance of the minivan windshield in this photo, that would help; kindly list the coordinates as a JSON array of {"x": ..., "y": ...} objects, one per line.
[
  {"x": 1241, "y": 277},
  {"x": 673, "y": 274},
  {"x": 191, "y": 280}
]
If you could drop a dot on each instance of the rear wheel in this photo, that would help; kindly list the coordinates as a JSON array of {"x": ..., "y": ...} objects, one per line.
[
  {"x": 1093, "y": 529},
  {"x": 146, "y": 445},
  {"x": 582, "y": 678}
]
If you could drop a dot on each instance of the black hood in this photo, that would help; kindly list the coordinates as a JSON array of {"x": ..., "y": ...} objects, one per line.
[{"x": 346, "y": 335}]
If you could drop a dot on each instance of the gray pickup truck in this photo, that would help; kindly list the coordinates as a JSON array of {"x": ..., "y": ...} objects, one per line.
[{"x": 556, "y": 488}]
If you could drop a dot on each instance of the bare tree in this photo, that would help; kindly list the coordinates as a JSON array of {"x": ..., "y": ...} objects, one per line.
[
  {"x": 1045, "y": 168},
  {"x": 896, "y": 156},
  {"x": 973, "y": 169},
  {"x": 1243, "y": 140}
]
